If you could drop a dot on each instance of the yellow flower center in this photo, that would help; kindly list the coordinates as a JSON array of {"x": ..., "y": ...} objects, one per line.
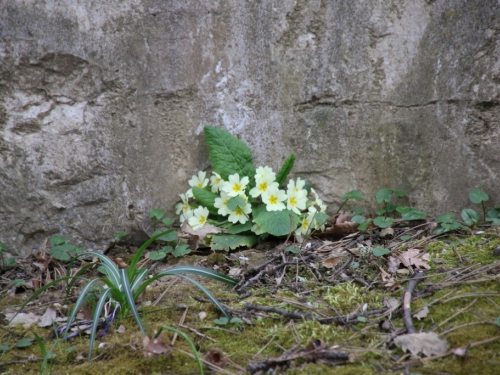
[
  {"x": 273, "y": 199},
  {"x": 202, "y": 219},
  {"x": 200, "y": 184},
  {"x": 305, "y": 224},
  {"x": 263, "y": 186},
  {"x": 238, "y": 211},
  {"x": 237, "y": 187},
  {"x": 293, "y": 201}
]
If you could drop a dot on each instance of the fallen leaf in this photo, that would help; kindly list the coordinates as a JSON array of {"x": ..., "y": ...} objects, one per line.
[
  {"x": 26, "y": 319},
  {"x": 422, "y": 313},
  {"x": 428, "y": 343},
  {"x": 48, "y": 318},
  {"x": 409, "y": 258},
  {"x": 332, "y": 262},
  {"x": 343, "y": 217},
  {"x": 198, "y": 237},
  {"x": 387, "y": 232},
  {"x": 154, "y": 348},
  {"x": 461, "y": 352},
  {"x": 386, "y": 278}
]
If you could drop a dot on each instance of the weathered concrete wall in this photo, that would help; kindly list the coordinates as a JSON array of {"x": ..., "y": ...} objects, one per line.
[{"x": 103, "y": 102}]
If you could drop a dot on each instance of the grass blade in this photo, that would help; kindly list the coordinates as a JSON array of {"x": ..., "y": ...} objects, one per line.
[
  {"x": 200, "y": 271},
  {"x": 130, "y": 298},
  {"x": 139, "y": 279},
  {"x": 78, "y": 305},
  {"x": 114, "y": 274},
  {"x": 138, "y": 254},
  {"x": 186, "y": 337},
  {"x": 210, "y": 296},
  {"x": 95, "y": 319}
]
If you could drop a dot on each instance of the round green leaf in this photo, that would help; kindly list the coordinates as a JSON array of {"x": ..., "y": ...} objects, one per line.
[
  {"x": 23, "y": 343},
  {"x": 380, "y": 251},
  {"x": 470, "y": 216},
  {"x": 383, "y": 195},
  {"x": 478, "y": 196},
  {"x": 448, "y": 217},
  {"x": 156, "y": 213},
  {"x": 383, "y": 222}
]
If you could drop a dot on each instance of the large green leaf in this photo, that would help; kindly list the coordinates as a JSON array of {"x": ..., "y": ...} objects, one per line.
[
  {"x": 277, "y": 223},
  {"x": 494, "y": 216},
  {"x": 232, "y": 241},
  {"x": 236, "y": 202},
  {"x": 206, "y": 198},
  {"x": 228, "y": 154},
  {"x": 383, "y": 222},
  {"x": 285, "y": 169},
  {"x": 239, "y": 228}
]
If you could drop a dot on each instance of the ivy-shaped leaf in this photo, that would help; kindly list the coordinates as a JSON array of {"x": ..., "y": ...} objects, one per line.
[
  {"x": 156, "y": 213},
  {"x": 228, "y": 154},
  {"x": 285, "y": 170},
  {"x": 181, "y": 250},
  {"x": 478, "y": 196},
  {"x": 383, "y": 195},
  {"x": 383, "y": 222},
  {"x": 353, "y": 194}
]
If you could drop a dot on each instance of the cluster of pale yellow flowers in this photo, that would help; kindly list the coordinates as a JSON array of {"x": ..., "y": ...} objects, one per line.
[{"x": 266, "y": 187}]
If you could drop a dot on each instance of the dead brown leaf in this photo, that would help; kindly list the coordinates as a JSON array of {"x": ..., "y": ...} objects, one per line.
[
  {"x": 154, "y": 348},
  {"x": 427, "y": 343},
  {"x": 409, "y": 258},
  {"x": 332, "y": 262},
  {"x": 200, "y": 236},
  {"x": 422, "y": 313}
]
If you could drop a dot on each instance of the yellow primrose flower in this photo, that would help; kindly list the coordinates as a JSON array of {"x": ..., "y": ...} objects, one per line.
[
  {"x": 221, "y": 204},
  {"x": 199, "y": 181},
  {"x": 199, "y": 217},
  {"x": 215, "y": 181},
  {"x": 235, "y": 186},
  {"x": 264, "y": 179},
  {"x": 183, "y": 209},
  {"x": 296, "y": 200},
  {"x": 240, "y": 215},
  {"x": 273, "y": 198}
]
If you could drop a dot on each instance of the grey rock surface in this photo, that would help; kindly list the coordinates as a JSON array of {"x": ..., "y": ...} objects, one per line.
[{"x": 102, "y": 104}]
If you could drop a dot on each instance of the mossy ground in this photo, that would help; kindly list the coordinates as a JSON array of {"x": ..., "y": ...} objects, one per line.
[{"x": 269, "y": 336}]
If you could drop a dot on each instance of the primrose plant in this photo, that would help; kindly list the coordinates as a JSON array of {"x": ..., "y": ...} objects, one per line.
[
  {"x": 248, "y": 202},
  {"x": 120, "y": 288}
]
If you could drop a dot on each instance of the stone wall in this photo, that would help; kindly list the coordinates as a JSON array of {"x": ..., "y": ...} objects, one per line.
[{"x": 102, "y": 103}]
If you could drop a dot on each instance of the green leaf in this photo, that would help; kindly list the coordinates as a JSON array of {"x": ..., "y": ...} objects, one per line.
[
  {"x": 181, "y": 250},
  {"x": 493, "y": 214},
  {"x": 404, "y": 209},
  {"x": 206, "y": 198},
  {"x": 228, "y": 154},
  {"x": 167, "y": 221},
  {"x": 414, "y": 215},
  {"x": 156, "y": 213},
  {"x": 10, "y": 262},
  {"x": 3, "y": 246},
  {"x": 399, "y": 193},
  {"x": 292, "y": 249},
  {"x": 381, "y": 211},
  {"x": 478, "y": 196},
  {"x": 277, "y": 223},
  {"x": 406, "y": 237},
  {"x": 4, "y": 348},
  {"x": 221, "y": 321},
  {"x": 353, "y": 194},
  {"x": 236, "y": 202},
  {"x": 238, "y": 228},
  {"x": 120, "y": 235},
  {"x": 17, "y": 282},
  {"x": 362, "y": 319},
  {"x": 232, "y": 241},
  {"x": 383, "y": 195},
  {"x": 236, "y": 321},
  {"x": 285, "y": 169},
  {"x": 390, "y": 207},
  {"x": 470, "y": 216},
  {"x": 321, "y": 217},
  {"x": 62, "y": 252},
  {"x": 160, "y": 254},
  {"x": 364, "y": 226},
  {"x": 57, "y": 240},
  {"x": 358, "y": 219},
  {"x": 358, "y": 210},
  {"x": 170, "y": 235},
  {"x": 23, "y": 343},
  {"x": 380, "y": 251},
  {"x": 448, "y": 217},
  {"x": 383, "y": 222}
]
